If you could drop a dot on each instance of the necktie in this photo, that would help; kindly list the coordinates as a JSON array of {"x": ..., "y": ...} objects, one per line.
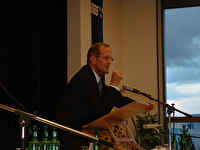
[{"x": 100, "y": 86}]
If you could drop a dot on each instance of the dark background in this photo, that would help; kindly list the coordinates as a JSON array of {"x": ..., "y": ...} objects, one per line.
[{"x": 33, "y": 61}]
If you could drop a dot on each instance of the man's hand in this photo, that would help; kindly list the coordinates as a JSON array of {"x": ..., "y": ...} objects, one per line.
[
  {"x": 152, "y": 105},
  {"x": 116, "y": 78}
]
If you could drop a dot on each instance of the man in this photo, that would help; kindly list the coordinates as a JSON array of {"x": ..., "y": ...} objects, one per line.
[{"x": 84, "y": 100}]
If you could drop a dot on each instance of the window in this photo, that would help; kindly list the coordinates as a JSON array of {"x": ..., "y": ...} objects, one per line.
[
  {"x": 182, "y": 58},
  {"x": 182, "y": 66}
]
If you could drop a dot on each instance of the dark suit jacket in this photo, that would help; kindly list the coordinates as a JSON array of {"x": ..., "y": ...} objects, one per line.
[{"x": 82, "y": 102}]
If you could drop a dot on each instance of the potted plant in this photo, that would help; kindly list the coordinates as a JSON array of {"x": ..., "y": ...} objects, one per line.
[
  {"x": 149, "y": 138},
  {"x": 185, "y": 137}
]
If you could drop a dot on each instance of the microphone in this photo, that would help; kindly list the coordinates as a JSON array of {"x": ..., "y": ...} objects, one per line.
[{"x": 125, "y": 88}]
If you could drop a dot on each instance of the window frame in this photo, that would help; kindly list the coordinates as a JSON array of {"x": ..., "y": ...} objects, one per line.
[{"x": 169, "y": 4}]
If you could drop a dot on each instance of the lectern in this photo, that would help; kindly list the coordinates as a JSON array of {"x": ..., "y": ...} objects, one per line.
[{"x": 118, "y": 117}]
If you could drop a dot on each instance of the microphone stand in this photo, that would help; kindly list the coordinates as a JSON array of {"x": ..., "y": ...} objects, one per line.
[
  {"x": 170, "y": 109},
  {"x": 173, "y": 136},
  {"x": 24, "y": 121}
]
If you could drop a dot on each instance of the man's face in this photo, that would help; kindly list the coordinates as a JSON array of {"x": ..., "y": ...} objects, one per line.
[{"x": 102, "y": 62}]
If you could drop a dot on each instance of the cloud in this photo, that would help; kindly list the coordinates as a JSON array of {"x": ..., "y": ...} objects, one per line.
[
  {"x": 189, "y": 88},
  {"x": 185, "y": 89},
  {"x": 185, "y": 97},
  {"x": 187, "y": 105},
  {"x": 182, "y": 75},
  {"x": 182, "y": 37}
]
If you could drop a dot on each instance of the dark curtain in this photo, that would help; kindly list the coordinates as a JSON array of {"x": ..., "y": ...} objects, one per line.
[{"x": 33, "y": 62}]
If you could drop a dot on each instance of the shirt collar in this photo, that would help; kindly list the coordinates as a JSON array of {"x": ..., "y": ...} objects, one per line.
[{"x": 96, "y": 76}]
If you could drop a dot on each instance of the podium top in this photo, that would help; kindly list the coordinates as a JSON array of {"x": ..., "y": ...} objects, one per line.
[{"x": 118, "y": 115}]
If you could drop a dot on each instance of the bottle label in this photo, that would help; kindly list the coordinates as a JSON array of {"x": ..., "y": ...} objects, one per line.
[
  {"x": 46, "y": 134},
  {"x": 54, "y": 134},
  {"x": 35, "y": 134}
]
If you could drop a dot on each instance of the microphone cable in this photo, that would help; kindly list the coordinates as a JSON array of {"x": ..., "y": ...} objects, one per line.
[
  {"x": 28, "y": 124},
  {"x": 13, "y": 97}
]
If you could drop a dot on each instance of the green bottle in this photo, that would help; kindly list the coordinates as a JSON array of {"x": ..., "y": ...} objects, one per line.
[
  {"x": 34, "y": 144},
  {"x": 45, "y": 144},
  {"x": 96, "y": 145},
  {"x": 55, "y": 144},
  {"x": 182, "y": 144},
  {"x": 175, "y": 143}
]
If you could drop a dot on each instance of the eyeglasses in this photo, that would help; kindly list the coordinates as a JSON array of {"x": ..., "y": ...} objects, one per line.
[{"x": 106, "y": 57}]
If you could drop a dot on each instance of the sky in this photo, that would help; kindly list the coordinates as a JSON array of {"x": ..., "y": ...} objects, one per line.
[{"x": 182, "y": 58}]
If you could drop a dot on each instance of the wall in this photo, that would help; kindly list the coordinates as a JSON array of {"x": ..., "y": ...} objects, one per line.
[
  {"x": 130, "y": 29},
  {"x": 79, "y": 34}
]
